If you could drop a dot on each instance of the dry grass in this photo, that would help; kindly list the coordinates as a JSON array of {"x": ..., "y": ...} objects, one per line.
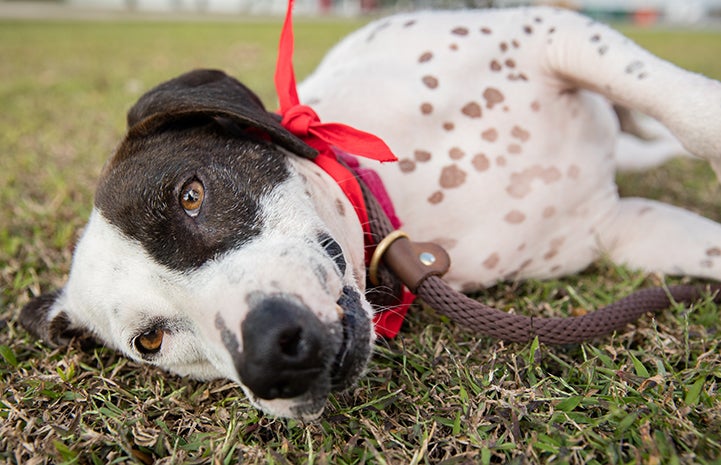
[{"x": 434, "y": 395}]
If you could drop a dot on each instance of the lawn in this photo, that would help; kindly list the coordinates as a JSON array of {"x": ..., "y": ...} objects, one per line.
[{"x": 436, "y": 394}]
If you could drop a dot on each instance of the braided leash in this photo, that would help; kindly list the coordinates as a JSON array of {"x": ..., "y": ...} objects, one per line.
[{"x": 489, "y": 321}]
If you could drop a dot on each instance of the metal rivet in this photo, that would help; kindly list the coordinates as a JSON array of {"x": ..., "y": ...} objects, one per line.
[{"x": 427, "y": 258}]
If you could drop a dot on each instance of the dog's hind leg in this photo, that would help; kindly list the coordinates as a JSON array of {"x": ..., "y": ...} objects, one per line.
[
  {"x": 656, "y": 237},
  {"x": 590, "y": 55},
  {"x": 655, "y": 146}
]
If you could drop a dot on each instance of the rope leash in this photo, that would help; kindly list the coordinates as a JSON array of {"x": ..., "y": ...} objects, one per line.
[{"x": 488, "y": 321}]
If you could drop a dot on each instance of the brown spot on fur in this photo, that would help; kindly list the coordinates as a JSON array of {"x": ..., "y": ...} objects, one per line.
[
  {"x": 448, "y": 126},
  {"x": 520, "y": 134},
  {"x": 430, "y": 81},
  {"x": 554, "y": 247},
  {"x": 452, "y": 176},
  {"x": 409, "y": 23},
  {"x": 339, "y": 207},
  {"x": 528, "y": 29},
  {"x": 426, "y": 108},
  {"x": 501, "y": 161},
  {"x": 549, "y": 212},
  {"x": 514, "y": 149},
  {"x": 535, "y": 106},
  {"x": 422, "y": 155},
  {"x": 480, "y": 162},
  {"x": 574, "y": 171},
  {"x": 472, "y": 110},
  {"x": 493, "y": 97},
  {"x": 515, "y": 43},
  {"x": 486, "y": 30},
  {"x": 490, "y": 135},
  {"x": 520, "y": 185},
  {"x": 644, "y": 210},
  {"x": 503, "y": 46},
  {"x": 407, "y": 165},
  {"x": 426, "y": 56},
  {"x": 456, "y": 154},
  {"x": 436, "y": 197},
  {"x": 491, "y": 261},
  {"x": 510, "y": 63},
  {"x": 495, "y": 66},
  {"x": 713, "y": 252},
  {"x": 514, "y": 217},
  {"x": 706, "y": 264},
  {"x": 460, "y": 31}
]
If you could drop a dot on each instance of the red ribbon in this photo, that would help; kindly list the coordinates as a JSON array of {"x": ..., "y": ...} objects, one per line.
[{"x": 303, "y": 122}]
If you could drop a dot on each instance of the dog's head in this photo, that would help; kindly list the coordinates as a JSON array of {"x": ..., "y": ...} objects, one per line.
[{"x": 215, "y": 248}]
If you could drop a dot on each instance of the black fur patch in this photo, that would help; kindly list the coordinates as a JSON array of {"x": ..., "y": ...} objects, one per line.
[{"x": 140, "y": 192}]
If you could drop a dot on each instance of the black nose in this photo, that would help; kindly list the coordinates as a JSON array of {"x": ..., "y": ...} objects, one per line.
[{"x": 282, "y": 349}]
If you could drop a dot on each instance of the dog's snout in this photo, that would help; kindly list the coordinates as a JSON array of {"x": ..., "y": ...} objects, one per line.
[{"x": 282, "y": 349}]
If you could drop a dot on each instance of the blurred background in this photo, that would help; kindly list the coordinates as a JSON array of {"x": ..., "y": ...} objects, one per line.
[{"x": 641, "y": 12}]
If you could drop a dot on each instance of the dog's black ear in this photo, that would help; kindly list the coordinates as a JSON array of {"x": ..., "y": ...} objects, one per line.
[
  {"x": 209, "y": 93},
  {"x": 41, "y": 319}
]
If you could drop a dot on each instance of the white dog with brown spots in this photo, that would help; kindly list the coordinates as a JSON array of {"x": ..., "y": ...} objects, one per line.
[
  {"x": 508, "y": 140},
  {"x": 212, "y": 252}
]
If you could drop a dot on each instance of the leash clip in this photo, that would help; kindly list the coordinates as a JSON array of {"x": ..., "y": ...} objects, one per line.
[{"x": 412, "y": 262}]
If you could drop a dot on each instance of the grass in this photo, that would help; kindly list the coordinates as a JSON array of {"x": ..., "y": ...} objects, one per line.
[{"x": 651, "y": 394}]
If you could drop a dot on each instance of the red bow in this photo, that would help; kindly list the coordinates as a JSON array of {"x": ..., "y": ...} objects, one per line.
[{"x": 302, "y": 121}]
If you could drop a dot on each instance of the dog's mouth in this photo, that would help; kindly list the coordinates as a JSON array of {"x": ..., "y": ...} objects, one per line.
[{"x": 353, "y": 354}]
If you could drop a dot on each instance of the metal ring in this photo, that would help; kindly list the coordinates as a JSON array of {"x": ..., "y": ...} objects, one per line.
[{"x": 380, "y": 251}]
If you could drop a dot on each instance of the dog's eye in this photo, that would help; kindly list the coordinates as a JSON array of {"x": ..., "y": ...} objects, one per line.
[
  {"x": 150, "y": 341},
  {"x": 191, "y": 197}
]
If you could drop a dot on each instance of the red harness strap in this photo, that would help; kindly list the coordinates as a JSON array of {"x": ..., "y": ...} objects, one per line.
[{"x": 302, "y": 121}]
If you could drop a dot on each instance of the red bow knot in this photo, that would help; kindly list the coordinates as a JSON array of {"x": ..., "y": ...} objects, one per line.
[{"x": 300, "y": 119}]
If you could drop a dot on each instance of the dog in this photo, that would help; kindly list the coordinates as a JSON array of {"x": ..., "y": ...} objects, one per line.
[{"x": 217, "y": 248}]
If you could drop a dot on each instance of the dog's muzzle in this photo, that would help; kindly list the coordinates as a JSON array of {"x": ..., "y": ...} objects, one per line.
[{"x": 289, "y": 353}]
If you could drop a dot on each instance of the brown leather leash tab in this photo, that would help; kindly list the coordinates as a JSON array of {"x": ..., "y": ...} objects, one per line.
[{"x": 411, "y": 262}]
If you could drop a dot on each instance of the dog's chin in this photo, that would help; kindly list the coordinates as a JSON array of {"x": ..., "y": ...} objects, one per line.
[{"x": 302, "y": 408}]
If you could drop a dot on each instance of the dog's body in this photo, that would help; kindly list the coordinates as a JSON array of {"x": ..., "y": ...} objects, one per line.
[
  {"x": 212, "y": 251},
  {"x": 504, "y": 159}
]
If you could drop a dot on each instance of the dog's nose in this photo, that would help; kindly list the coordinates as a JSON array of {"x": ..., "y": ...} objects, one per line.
[{"x": 282, "y": 349}]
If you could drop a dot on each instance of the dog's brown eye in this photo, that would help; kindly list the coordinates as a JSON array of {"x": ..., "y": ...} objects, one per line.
[
  {"x": 150, "y": 342},
  {"x": 191, "y": 197}
]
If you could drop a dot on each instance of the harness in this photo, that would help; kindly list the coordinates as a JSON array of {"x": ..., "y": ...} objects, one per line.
[{"x": 399, "y": 269}]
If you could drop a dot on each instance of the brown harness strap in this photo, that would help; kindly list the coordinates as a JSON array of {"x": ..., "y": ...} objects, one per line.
[{"x": 410, "y": 263}]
